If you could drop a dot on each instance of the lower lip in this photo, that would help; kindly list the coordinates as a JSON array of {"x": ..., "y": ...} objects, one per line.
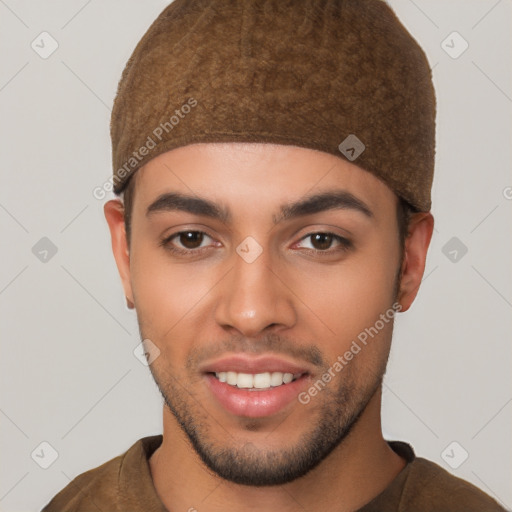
[{"x": 257, "y": 403}]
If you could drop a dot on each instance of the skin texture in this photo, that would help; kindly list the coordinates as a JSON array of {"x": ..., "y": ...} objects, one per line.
[{"x": 303, "y": 306}]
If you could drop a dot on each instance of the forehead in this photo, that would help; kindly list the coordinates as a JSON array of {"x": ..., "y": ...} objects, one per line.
[{"x": 243, "y": 175}]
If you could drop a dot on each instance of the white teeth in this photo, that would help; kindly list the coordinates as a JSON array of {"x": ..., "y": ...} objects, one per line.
[
  {"x": 245, "y": 380},
  {"x": 276, "y": 379},
  {"x": 262, "y": 380},
  {"x": 255, "y": 381},
  {"x": 231, "y": 378},
  {"x": 287, "y": 378}
]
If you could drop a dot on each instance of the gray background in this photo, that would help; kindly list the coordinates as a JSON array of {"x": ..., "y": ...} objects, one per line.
[{"x": 68, "y": 373}]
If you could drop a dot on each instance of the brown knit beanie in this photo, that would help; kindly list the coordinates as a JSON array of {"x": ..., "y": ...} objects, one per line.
[{"x": 340, "y": 76}]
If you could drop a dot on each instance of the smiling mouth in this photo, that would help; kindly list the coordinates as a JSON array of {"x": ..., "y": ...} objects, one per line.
[{"x": 256, "y": 381}]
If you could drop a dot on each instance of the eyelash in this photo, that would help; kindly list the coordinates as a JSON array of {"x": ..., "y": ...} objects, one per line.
[{"x": 344, "y": 244}]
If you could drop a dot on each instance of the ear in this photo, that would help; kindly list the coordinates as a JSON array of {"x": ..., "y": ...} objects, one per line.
[
  {"x": 417, "y": 242},
  {"x": 114, "y": 213}
]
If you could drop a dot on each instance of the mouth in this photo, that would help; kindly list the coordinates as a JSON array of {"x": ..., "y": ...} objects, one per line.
[
  {"x": 258, "y": 381},
  {"x": 255, "y": 387}
]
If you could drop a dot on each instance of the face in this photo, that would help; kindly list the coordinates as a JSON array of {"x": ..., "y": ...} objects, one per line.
[{"x": 272, "y": 266}]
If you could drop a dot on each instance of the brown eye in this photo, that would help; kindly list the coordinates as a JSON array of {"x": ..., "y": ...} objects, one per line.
[
  {"x": 191, "y": 239},
  {"x": 186, "y": 243},
  {"x": 322, "y": 241},
  {"x": 327, "y": 243}
]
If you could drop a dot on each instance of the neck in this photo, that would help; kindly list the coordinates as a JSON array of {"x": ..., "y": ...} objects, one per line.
[{"x": 359, "y": 469}]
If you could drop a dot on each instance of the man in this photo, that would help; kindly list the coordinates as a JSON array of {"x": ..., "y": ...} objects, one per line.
[{"x": 276, "y": 160}]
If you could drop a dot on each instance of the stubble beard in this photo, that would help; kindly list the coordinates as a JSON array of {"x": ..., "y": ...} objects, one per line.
[{"x": 246, "y": 464}]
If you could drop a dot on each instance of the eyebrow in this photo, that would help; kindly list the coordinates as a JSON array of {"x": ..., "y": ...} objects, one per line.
[{"x": 329, "y": 200}]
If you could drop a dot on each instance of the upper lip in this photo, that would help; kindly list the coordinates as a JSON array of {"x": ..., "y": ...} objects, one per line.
[{"x": 261, "y": 364}]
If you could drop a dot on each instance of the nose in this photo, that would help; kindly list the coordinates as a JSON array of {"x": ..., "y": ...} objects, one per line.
[{"x": 254, "y": 297}]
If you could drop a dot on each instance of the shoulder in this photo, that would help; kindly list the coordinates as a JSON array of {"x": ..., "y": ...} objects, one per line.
[
  {"x": 98, "y": 488},
  {"x": 432, "y": 488},
  {"x": 88, "y": 489}
]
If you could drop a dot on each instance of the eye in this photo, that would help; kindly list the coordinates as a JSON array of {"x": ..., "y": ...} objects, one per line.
[
  {"x": 192, "y": 242},
  {"x": 185, "y": 242},
  {"x": 322, "y": 242}
]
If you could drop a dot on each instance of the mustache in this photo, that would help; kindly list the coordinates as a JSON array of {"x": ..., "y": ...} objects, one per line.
[{"x": 271, "y": 343}]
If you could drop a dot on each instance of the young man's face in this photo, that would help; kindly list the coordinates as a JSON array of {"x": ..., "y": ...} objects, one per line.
[{"x": 267, "y": 303}]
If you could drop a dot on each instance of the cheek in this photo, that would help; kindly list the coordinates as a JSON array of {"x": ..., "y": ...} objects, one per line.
[
  {"x": 349, "y": 297},
  {"x": 167, "y": 296}
]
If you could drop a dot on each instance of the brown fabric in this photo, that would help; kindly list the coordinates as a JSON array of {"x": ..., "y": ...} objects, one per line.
[
  {"x": 298, "y": 72},
  {"x": 124, "y": 484}
]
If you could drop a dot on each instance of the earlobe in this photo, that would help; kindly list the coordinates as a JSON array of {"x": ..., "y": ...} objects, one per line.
[
  {"x": 413, "y": 266},
  {"x": 114, "y": 214}
]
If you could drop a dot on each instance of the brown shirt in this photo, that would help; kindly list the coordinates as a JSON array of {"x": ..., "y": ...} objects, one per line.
[{"x": 124, "y": 484}]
